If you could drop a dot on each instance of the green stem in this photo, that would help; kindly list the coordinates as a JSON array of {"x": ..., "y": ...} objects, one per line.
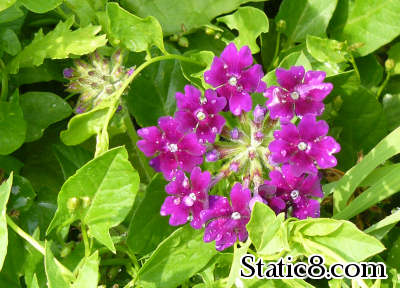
[
  {"x": 4, "y": 81},
  {"x": 353, "y": 62},
  {"x": 383, "y": 86},
  {"x": 141, "y": 158},
  {"x": 35, "y": 244},
  {"x": 102, "y": 141},
  {"x": 85, "y": 239},
  {"x": 277, "y": 44},
  {"x": 64, "y": 16}
]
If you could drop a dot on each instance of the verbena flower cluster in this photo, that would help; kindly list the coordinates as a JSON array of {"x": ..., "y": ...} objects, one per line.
[{"x": 267, "y": 157}]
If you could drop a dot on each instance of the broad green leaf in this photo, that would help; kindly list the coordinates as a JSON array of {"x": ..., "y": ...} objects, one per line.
[
  {"x": 176, "y": 259},
  {"x": 371, "y": 23},
  {"x": 234, "y": 273},
  {"x": 394, "y": 254},
  {"x": 5, "y": 190},
  {"x": 382, "y": 189},
  {"x": 12, "y": 13},
  {"x": 148, "y": 228},
  {"x": 71, "y": 158},
  {"x": 59, "y": 43},
  {"x": 293, "y": 59},
  {"x": 12, "y": 127},
  {"x": 305, "y": 17},
  {"x": 339, "y": 241},
  {"x": 41, "y": 6},
  {"x": 6, "y": 3},
  {"x": 111, "y": 184},
  {"x": 250, "y": 23},
  {"x": 194, "y": 72},
  {"x": 154, "y": 90},
  {"x": 371, "y": 71},
  {"x": 88, "y": 273},
  {"x": 9, "y": 42},
  {"x": 34, "y": 283},
  {"x": 345, "y": 187},
  {"x": 391, "y": 108},
  {"x": 361, "y": 126},
  {"x": 133, "y": 32},
  {"x": 326, "y": 50},
  {"x": 176, "y": 17},
  {"x": 380, "y": 229},
  {"x": 13, "y": 268},
  {"x": 394, "y": 54},
  {"x": 82, "y": 126},
  {"x": 378, "y": 174},
  {"x": 41, "y": 109},
  {"x": 9, "y": 163},
  {"x": 263, "y": 226},
  {"x": 55, "y": 277},
  {"x": 33, "y": 265},
  {"x": 83, "y": 9},
  {"x": 50, "y": 70}
]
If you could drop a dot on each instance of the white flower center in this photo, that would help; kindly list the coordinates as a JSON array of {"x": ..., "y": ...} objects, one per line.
[
  {"x": 232, "y": 81},
  {"x": 294, "y": 194},
  {"x": 172, "y": 147},
  {"x": 235, "y": 216},
  {"x": 177, "y": 201},
  {"x": 294, "y": 95},
  {"x": 200, "y": 115},
  {"x": 192, "y": 196},
  {"x": 185, "y": 183},
  {"x": 203, "y": 100},
  {"x": 190, "y": 218},
  {"x": 302, "y": 146}
]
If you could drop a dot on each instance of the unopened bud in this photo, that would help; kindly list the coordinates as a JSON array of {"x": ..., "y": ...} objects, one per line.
[
  {"x": 259, "y": 114},
  {"x": 235, "y": 134},
  {"x": 67, "y": 249},
  {"x": 86, "y": 201},
  {"x": 174, "y": 38},
  {"x": 183, "y": 42},
  {"x": 281, "y": 26},
  {"x": 72, "y": 203},
  {"x": 209, "y": 31},
  {"x": 68, "y": 72},
  {"x": 217, "y": 36},
  {"x": 212, "y": 156},
  {"x": 389, "y": 64}
]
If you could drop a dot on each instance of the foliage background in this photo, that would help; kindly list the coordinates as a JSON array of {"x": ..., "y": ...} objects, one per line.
[{"x": 42, "y": 143}]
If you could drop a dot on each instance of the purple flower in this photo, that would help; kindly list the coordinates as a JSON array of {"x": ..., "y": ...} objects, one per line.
[
  {"x": 200, "y": 114},
  {"x": 68, "y": 72},
  {"x": 259, "y": 114},
  {"x": 188, "y": 198},
  {"x": 285, "y": 190},
  {"x": 300, "y": 93},
  {"x": 235, "y": 78},
  {"x": 302, "y": 146},
  {"x": 227, "y": 223},
  {"x": 175, "y": 150}
]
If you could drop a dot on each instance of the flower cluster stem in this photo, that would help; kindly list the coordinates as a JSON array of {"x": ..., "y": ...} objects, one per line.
[
  {"x": 85, "y": 239},
  {"x": 383, "y": 86},
  {"x": 4, "y": 82}
]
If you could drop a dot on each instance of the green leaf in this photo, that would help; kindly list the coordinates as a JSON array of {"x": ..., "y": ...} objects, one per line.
[
  {"x": 34, "y": 283},
  {"x": 337, "y": 241},
  {"x": 394, "y": 54},
  {"x": 371, "y": 71},
  {"x": 41, "y": 6},
  {"x": 176, "y": 18},
  {"x": 9, "y": 42},
  {"x": 326, "y": 50},
  {"x": 134, "y": 33},
  {"x": 250, "y": 23},
  {"x": 394, "y": 254},
  {"x": 293, "y": 59},
  {"x": 55, "y": 277},
  {"x": 13, "y": 268},
  {"x": 305, "y": 17},
  {"x": 382, "y": 189},
  {"x": 59, "y": 43},
  {"x": 12, "y": 127},
  {"x": 83, "y": 9},
  {"x": 6, "y": 3},
  {"x": 9, "y": 163},
  {"x": 345, "y": 187},
  {"x": 5, "y": 190},
  {"x": 88, "y": 273},
  {"x": 380, "y": 229},
  {"x": 111, "y": 184},
  {"x": 82, "y": 126},
  {"x": 148, "y": 228},
  {"x": 234, "y": 273},
  {"x": 176, "y": 259},
  {"x": 194, "y": 72},
  {"x": 22, "y": 194},
  {"x": 373, "y": 23},
  {"x": 71, "y": 158},
  {"x": 41, "y": 109},
  {"x": 48, "y": 71},
  {"x": 362, "y": 126}
]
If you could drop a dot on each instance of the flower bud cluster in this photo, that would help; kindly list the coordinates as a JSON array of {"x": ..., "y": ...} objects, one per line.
[
  {"x": 96, "y": 80},
  {"x": 266, "y": 157}
]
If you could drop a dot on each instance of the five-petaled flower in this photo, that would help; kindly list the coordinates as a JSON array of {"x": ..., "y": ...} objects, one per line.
[{"x": 235, "y": 78}]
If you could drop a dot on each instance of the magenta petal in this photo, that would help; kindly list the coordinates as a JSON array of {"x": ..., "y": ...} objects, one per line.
[
  {"x": 309, "y": 208},
  {"x": 280, "y": 150},
  {"x": 175, "y": 187},
  {"x": 277, "y": 204},
  {"x": 214, "y": 103},
  {"x": 240, "y": 101},
  {"x": 190, "y": 100},
  {"x": 216, "y": 76},
  {"x": 312, "y": 186},
  {"x": 302, "y": 163},
  {"x": 187, "y": 122},
  {"x": 240, "y": 198},
  {"x": 187, "y": 161},
  {"x": 218, "y": 206},
  {"x": 169, "y": 126},
  {"x": 310, "y": 129},
  {"x": 179, "y": 213},
  {"x": 168, "y": 165},
  {"x": 288, "y": 133},
  {"x": 251, "y": 79},
  {"x": 303, "y": 108},
  {"x": 199, "y": 180},
  {"x": 196, "y": 223},
  {"x": 190, "y": 144},
  {"x": 245, "y": 57},
  {"x": 289, "y": 78},
  {"x": 148, "y": 148},
  {"x": 314, "y": 77}
]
